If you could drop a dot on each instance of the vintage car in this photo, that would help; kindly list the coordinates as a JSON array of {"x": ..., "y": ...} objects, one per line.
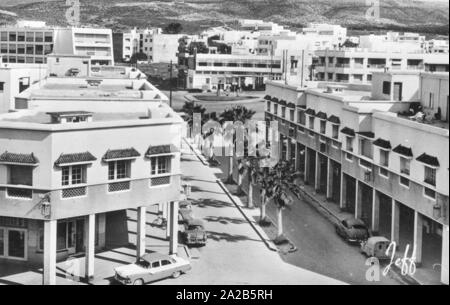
[
  {"x": 152, "y": 267},
  {"x": 185, "y": 205},
  {"x": 376, "y": 246},
  {"x": 352, "y": 230},
  {"x": 194, "y": 232}
]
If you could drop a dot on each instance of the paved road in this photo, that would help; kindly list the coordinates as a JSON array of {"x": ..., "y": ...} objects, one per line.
[
  {"x": 320, "y": 249},
  {"x": 235, "y": 254}
]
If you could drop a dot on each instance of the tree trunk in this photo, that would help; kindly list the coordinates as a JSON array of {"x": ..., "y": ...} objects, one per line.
[
  {"x": 263, "y": 207},
  {"x": 250, "y": 204},
  {"x": 230, "y": 170},
  {"x": 239, "y": 187},
  {"x": 280, "y": 221}
]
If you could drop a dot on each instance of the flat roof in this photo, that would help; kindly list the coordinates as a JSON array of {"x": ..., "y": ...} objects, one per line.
[{"x": 45, "y": 118}]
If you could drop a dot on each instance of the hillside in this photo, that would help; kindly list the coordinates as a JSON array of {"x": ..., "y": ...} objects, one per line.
[{"x": 195, "y": 15}]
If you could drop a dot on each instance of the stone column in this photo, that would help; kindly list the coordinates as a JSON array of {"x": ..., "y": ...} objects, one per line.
[
  {"x": 49, "y": 272},
  {"x": 288, "y": 149},
  {"x": 89, "y": 233},
  {"x": 375, "y": 212},
  {"x": 297, "y": 156},
  {"x": 395, "y": 222},
  {"x": 141, "y": 231},
  {"x": 418, "y": 234},
  {"x": 317, "y": 176},
  {"x": 174, "y": 227},
  {"x": 169, "y": 220},
  {"x": 329, "y": 179},
  {"x": 358, "y": 201},
  {"x": 306, "y": 165},
  {"x": 444, "y": 272},
  {"x": 342, "y": 203}
]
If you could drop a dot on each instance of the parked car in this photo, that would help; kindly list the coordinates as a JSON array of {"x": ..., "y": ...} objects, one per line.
[
  {"x": 194, "y": 232},
  {"x": 352, "y": 230},
  {"x": 376, "y": 246},
  {"x": 185, "y": 205},
  {"x": 152, "y": 267}
]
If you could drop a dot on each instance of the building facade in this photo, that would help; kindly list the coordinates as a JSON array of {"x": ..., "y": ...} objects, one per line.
[
  {"x": 358, "y": 65},
  {"x": 69, "y": 168},
  {"x": 365, "y": 152},
  {"x": 31, "y": 43}
]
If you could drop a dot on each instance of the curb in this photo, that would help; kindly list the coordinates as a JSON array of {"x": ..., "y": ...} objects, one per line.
[
  {"x": 199, "y": 156},
  {"x": 257, "y": 229}
]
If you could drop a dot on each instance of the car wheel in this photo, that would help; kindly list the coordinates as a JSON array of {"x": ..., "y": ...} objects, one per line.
[
  {"x": 138, "y": 282},
  {"x": 176, "y": 274}
]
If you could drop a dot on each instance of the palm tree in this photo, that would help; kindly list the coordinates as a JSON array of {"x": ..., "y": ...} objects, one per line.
[
  {"x": 283, "y": 177},
  {"x": 235, "y": 114},
  {"x": 189, "y": 108}
]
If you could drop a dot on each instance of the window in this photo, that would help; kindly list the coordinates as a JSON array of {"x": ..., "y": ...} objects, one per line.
[
  {"x": 165, "y": 262},
  {"x": 405, "y": 165},
  {"x": 365, "y": 148},
  {"x": 275, "y": 109},
  {"x": 283, "y": 112},
  {"x": 430, "y": 175},
  {"x": 291, "y": 115},
  {"x": 119, "y": 170},
  {"x": 160, "y": 165},
  {"x": 429, "y": 193},
  {"x": 155, "y": 264},
  {"x": 2, "y": 86},
  {"x": 301, "y": 118},
  {"x": 349, "y": 144},
  {"x": 335, "y": 131},
  {"x": 386, "y": 87},
  {"x": 20, "y": 175},
  {"x": 323, "y": 126},
  {"x": 384, "y": 158},
  {"x": 311, "y": 126},
  {"x": 404, "y": 181},
  {"x": 73, "y": 175}
]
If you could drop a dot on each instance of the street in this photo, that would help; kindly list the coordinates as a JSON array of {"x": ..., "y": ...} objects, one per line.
[{"x": 320, "y": 249}]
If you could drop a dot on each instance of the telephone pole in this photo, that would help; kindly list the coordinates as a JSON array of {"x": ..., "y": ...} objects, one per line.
[{"x": 170, "y": 82}]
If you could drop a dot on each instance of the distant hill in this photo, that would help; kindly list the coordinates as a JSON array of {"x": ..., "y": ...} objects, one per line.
[{"x": 196, "y": 15}]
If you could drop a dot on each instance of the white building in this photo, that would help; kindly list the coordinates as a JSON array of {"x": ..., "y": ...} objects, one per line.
[
  {"x": 15, "y": 78},
  {"x": 159, "y": 47},
  {"x": 393, "y": 42},
  {"x": 356, "y": 65},
  {"x": 374, "y": 158},
  {"x": 325, "y": 35},
  {"x": 31, "y": 42}
]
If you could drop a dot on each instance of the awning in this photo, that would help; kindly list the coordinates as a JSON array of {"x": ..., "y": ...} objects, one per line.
[
  {"x": 322, "y": 115},
  {"x": 334, "y": 120},
  {"x": 310, "y": 111},
  {"x": 366, "y": 134},
  {"x": 428, "y": 160},
  {"x": 403, "y": 150},
  {"x": 162, "y": 150},
  {"x": 121, "y": 154},
  {"x": 385, "y": 144},
  {"x": 348, "y": 131},
  {"x": 77, "y": 158},
  {"x": 19, "y": 159}
]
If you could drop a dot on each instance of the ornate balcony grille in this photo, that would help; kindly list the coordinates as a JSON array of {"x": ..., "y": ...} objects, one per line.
[
  {"x": 119, "y": 186},
  {"x": 20, "y": 193},
  {"x": 160, "y": 181},
  {"x": 74, "y": 192}
]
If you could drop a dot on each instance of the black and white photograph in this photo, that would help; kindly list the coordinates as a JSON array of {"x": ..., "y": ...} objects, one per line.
[{"x": 224, "y": 149}]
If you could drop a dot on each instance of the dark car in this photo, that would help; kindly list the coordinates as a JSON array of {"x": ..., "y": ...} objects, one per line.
[
  {"x": 194, "y": 232},
  {"x": 352, "y": 230}
]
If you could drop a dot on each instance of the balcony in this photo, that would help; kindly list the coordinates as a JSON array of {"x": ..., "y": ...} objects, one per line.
[
  {"x": 75, "y": 201},
  {"x": 342, "y": 65}
]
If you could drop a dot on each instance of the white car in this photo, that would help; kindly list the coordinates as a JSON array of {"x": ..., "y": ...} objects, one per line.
[{"x": 152, "y": 267}]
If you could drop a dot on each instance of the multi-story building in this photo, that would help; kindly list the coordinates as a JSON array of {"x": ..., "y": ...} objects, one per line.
[
  {"x": 15, "y": 78},
  {"x": 437, "y": 46},
  {"x": 211, "y": 71},
  {"x": 394, "y": 42},
  {"x": 32, "y": 42},
  {"x": 353, "y": 65},
  {"x": 373, "y": 156},
  {"x": 159, "y": 47},
  {"x": 261, "y": 26},
  {"x": 78, "y": 152},
  {"x": 323, "y": 36}
]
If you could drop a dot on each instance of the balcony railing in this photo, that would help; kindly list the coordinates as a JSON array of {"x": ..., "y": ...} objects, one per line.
[
  {"x": 19, "y": 193},
  {"x": 342, "y": 65}
]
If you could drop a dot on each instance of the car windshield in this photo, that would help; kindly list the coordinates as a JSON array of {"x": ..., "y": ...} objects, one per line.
[
  {"x": 143, "y": 263},
  {"x": 195, "y": 228}
]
